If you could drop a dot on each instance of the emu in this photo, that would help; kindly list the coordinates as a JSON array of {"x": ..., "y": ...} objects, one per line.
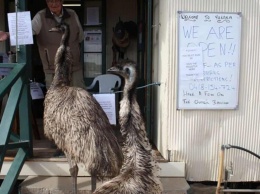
[
  {"x": 77, "y": 123},
  {"x": 138, "y": 174}
]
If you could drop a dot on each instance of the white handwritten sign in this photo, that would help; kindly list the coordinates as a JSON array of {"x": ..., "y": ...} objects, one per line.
[
  {"x": 214, "y": 84},
  {"x": 24, "y": 28}
]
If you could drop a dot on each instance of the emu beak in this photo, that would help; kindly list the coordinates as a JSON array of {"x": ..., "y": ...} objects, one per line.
[
  {"x": 113, "y": 69},
  {"x": 54, "y": 29}
]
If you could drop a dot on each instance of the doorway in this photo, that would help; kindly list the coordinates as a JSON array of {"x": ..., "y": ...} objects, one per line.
[{"x": 114, "y": 10}]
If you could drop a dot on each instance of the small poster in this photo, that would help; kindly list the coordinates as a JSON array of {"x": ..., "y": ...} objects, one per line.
[
  {"x": 191, "y": 63},
  {"x": 93, "y": 41},
  {"x": 92, "y": 15},
  {"x": 108, "y": 103},
  {"x": 4, "y": 71},
  {"x": 36, "y": 91}
]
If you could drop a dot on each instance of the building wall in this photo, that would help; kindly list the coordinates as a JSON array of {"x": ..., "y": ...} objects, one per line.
[{"x": 196, "y": 136}]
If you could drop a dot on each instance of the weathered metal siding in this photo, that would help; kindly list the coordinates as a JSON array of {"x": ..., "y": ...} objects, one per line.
[{"x": 196, "y": 136}]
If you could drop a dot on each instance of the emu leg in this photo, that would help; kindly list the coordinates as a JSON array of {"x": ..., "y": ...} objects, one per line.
[
  {"x": 74, "y": 173},
  {"x": 93, "y": 183}
]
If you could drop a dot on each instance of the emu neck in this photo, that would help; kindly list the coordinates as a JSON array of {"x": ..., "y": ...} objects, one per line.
[
  {"x": 63, "y": 62},
  {"x": 65, "y": 37},
  {"x": 129, "y": 88}
]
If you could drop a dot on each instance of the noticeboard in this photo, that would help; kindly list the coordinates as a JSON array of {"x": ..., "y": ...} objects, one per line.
[{"x": 208, "y": 60}]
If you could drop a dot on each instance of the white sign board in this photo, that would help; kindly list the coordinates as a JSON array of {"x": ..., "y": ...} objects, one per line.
[
  {"x": 108, "y": 104},
  {"x": 24, "y": 28},
  {"x": 208, "y": 60}
]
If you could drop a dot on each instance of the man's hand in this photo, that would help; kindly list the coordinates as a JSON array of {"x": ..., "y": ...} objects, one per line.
[{"x": 3, "y": 36}]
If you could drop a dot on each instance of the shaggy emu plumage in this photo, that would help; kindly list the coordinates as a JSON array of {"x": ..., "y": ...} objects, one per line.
[
  {"x": 139, "y": 171},
  {"x": 77, "y": 123}
]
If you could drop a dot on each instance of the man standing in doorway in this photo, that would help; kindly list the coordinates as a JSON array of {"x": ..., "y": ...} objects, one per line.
[{"x": 48, "y": 43}]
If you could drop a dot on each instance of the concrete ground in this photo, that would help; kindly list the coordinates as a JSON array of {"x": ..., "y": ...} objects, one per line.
[
  {"x": 198, "y": 188},
  {"x": 210, "y": 187},
  {"x": 63, "y": 185},
  {"x": 31, "y": 185}
]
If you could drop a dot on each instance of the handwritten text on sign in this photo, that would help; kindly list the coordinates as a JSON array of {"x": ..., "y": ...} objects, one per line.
[{"x": 212, "y": 40}]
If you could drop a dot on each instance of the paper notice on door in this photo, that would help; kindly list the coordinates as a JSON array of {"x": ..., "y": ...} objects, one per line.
[
  {"x": 107, "y": 102},
  {"x": 36, "y": 91}
]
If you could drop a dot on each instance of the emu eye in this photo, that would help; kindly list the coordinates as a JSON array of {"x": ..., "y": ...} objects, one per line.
[{"x": 127, "y": 70}]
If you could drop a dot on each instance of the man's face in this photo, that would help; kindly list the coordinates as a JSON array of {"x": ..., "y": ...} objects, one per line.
[{"x": 55, "y": 6}]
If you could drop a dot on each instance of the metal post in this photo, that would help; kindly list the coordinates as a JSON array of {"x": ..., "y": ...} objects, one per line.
[
  {"x": 220, "y": 170},
  {"x": 149, "y": 68}
]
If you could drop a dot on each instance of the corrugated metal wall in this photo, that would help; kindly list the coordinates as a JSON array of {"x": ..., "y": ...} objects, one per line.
[{"x": 196, "y": 136}]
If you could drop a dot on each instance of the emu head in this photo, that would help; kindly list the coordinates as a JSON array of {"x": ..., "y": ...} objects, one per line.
[
  {"x": 62, "y": 27},
  {"x": 65, "y": 30},
  {"x": 126, "y": 69}
]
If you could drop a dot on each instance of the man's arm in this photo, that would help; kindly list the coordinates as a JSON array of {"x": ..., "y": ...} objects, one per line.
[
  {"x": 81, "y": 33},
  {"x": 36, "y": 24}
]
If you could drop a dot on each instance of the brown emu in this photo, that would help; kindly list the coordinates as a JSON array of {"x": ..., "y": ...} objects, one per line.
[
  {"x": 77, "y": 123},
  {"x": 138, "y": 174}
]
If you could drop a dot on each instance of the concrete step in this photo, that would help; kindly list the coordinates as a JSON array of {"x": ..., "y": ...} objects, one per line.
[{"x": 63, "y": 185}]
